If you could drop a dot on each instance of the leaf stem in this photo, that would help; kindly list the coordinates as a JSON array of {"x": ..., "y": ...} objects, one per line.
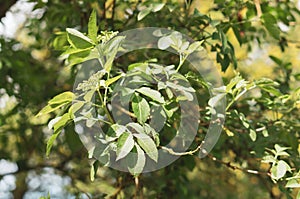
[{"x": 105, "y": 108}]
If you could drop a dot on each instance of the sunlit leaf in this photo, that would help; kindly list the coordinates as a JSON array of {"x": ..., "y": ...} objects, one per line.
[
  {"x": 148, "y": 145},
  {"x": 92, "y": 26},
  {"x": 151, "y": 93},
  {"x": 124, "y": 145},
  {"x": 62, "y": 98}
]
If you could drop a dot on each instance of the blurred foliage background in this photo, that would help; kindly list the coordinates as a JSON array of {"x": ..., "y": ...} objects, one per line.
[{"x": 261, "y": 38}]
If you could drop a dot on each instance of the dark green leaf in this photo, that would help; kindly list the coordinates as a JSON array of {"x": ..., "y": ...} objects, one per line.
[
  {"x": 137, "y": 161},
  {"x": 270, "y": 23},
  {"x": 78, "y": 40}
]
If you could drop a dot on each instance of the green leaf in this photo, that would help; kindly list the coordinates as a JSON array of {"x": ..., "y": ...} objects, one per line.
[
  {"x": 62, "y": 122},
  {"x": 179, "y": 87},
  {"x": 124, "y": 145},
  {"x": 272, "y": 90},
  {"x": 153, "y": 94},
  {"x": 223, "y": 40},
  {"x": 50, "y": 108},
  {"x": 137, "y": 161},
  {"x": 89, "y": 95},
  {"x": 93, "y": 170},
  {"x": 114, "y": 132},
  {"x": 62, "y": 98},
  {"x": 92, "y": 27},
  {"x": 140, "y": 108},
  {"x": 195, "y": 46},
  {"x": 78, "y": 40},
  {"x": 279, "y": 170},
  {"x": 82, "y": 56},
  {"x": 137, "y": 127},
  {"x": 276, "y": 60},
  {"x": 143, "y": 13},
  {"x": 279, "y": 148},
  {"x": 110, "y": 49},
  {"x": 271, "y": 25},
  {"x": 214, "y": 100},
  {"x": 252, "y": 135},
  {"x": 50, "y": 142},
  {"x": 75, "y": 107},
  {"x": 72, "y": 51},
  {"x": 157, "y": 7},
  {"x": 112, "y": 80},
  {"x": 164, "y": 42},
  {"x": 269, "y": 159},
  {"x": 236, "y": 32},
  {"x": 52, "y": 122},
  {"x": 148, "y": 145},
  {"x": 158, "y": 117},
  {"x": 137, "y": 65},
  {"x": 293, "y": 183}
]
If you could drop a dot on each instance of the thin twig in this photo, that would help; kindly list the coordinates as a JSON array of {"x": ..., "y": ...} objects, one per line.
[
  {"x": 172, "y": 152},
  {"x": 233, "y": 167}
]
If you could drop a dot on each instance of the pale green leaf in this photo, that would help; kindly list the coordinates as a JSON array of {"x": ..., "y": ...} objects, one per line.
[
  {"x": 214, "y": 100},
  {"x": 164, "y": 42},
  {"x": 75, "y": 107},
  {"x": 52, "y": 122},
  {"x": 293, "y": 183},
  {"x": 195, "y": 46},
  {"x": 148, "y": 145},
  {"x": 157, "y": 7},
  {"x": 252, "y": 135},
  {"x": 89, "y": 95},
  {"x": 143, "y": 13},
  {"x": 151, "y": 93},
  {"x": 137, "y": 161},
  {"x": 124, "y": 145},
  {"x": 62, "y": 98},
  {"x": 137, "y": 127},
  {"x": 279, "y": 148},
  {"x": 279, "y": 170}
]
